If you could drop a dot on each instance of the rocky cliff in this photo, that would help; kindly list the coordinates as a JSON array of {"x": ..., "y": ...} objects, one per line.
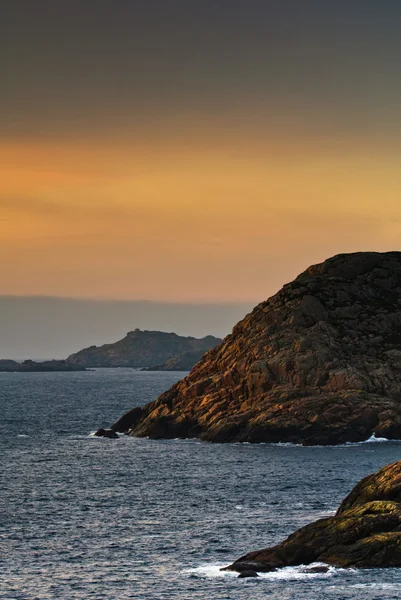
[
  {"x": 318, "y": 363},
  {"x": 365, "y": 532},
  {"x": 141, "y": 349}
]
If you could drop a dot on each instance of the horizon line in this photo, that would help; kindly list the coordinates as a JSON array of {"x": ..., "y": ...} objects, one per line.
[{"x": 128, "y": 300}]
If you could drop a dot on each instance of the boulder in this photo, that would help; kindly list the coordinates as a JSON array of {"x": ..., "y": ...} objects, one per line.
[
  {"x": 317, "y": 569},
  {"x": 108, "y": 433}
]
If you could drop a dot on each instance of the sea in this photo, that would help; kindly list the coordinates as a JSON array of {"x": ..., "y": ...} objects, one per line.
[{"x": 93, "y": 518}]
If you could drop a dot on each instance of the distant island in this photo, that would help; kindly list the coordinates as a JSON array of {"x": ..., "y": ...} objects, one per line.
[
  {"x": 155, "y": 350},
  {"x": 151, "y": 350},
  {"x": 30, "y": 366}
]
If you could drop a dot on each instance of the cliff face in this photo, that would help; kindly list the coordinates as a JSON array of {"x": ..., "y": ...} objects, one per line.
[
  {"x": 318, "y": 363},
  {"x": 141, "y": 349},
  {"x": 365, "y": 532}
]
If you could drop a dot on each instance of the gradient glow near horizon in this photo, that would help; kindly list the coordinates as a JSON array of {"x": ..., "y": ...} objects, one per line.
[{"x": 194, "y": 151}]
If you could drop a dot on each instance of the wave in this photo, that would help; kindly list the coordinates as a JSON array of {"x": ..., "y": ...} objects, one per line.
[
  {"x": 92, "y": 434},
  {"x": 298, "y": 573},
  {"x": 375, "y": 440},
  {"x": 377, "y": 586},
  {"x": 196, "y": 441},
  {"x": 371, "y": 440}
]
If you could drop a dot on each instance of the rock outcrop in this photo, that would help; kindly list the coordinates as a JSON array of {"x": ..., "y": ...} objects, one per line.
[
  {"x": 365, "y": 532},
  {"x": 141, "y": 349},
  {"x": 107, "y": 433},
  {"x": 318, "y": 363}
]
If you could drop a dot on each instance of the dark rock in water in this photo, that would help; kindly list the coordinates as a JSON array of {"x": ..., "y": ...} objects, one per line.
[
  {"x": 365, "y": 532},
  {"x": 141, "y": 349},
  {"x": 249, "y": 566},
  {"x": 247, "y": 574},
  {"x": 318, "y": 363},
  {"x": 317, "y": 569},
  {"x": 108, "y": 433}
]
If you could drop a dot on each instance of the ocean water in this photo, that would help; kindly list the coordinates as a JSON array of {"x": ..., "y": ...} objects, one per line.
[{"x": 84, "y": 517}]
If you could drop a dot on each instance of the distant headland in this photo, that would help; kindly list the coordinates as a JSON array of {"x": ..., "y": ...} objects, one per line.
[
  {"x": 146, "y": 349},
  {"x": 150, "y": 350},
  {"x": 31, "y": 366}
]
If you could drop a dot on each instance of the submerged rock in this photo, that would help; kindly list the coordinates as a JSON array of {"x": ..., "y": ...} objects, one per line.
[
  {"x": 317, "y": 569},
  {"x": 365, "y": 532},
  {"x": 244, "y": 574},
  {"x": 318, "y": 363}
]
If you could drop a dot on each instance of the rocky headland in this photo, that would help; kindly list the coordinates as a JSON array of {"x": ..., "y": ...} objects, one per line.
[
  {"x": 318, "y": 363},
  {"x": 365, "y": 532},
  {"x": 142, "y": 349},
  {"x": 31, "y": 366}
]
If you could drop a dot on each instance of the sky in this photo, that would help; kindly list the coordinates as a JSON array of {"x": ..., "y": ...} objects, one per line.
[
  {"x": 40, "y": 328},
  {"x": 194, "y": 151}
]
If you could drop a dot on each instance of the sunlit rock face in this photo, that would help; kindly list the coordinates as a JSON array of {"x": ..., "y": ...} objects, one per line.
[{"x": 318, "y": 363}]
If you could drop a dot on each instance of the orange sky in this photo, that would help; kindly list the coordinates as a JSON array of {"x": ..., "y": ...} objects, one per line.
[
  {"x": 194, "y": 151},
  {"x": 189, "y": 218}
]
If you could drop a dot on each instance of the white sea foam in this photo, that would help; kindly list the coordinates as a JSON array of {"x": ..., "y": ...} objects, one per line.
[
  {"x": 374, "y": 440},
  {"x": 371, "y": 440},
  {"x": 298, "y": 573},
  {"x": 195, "y": 441},
  {"x": 210, "y": 571}
]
